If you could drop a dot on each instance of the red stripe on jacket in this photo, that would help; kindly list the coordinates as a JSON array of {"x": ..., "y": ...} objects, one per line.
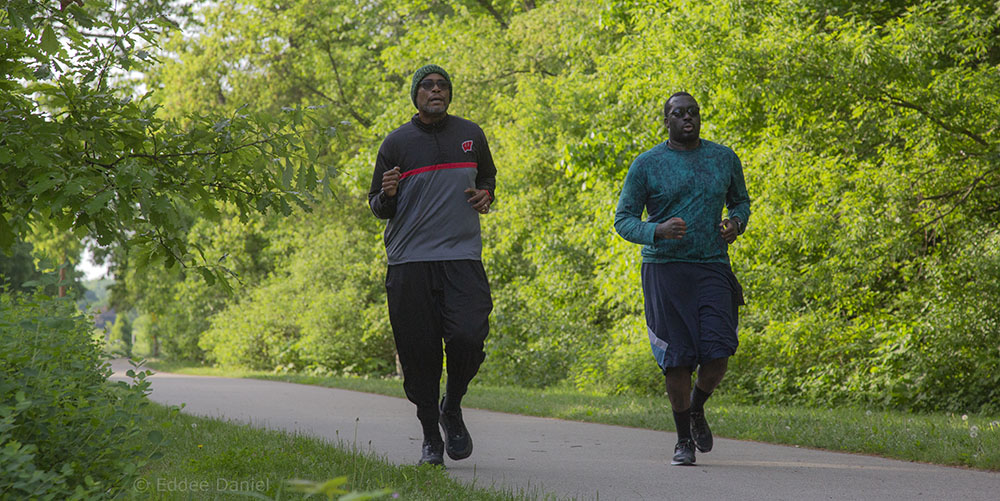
[{"x": 457, "y": 165}]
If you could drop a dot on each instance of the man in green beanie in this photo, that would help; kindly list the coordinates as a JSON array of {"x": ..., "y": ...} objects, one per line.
[{"x": 434, "y": 177}]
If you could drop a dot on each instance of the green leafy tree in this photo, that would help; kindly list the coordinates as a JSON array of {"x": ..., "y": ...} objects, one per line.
[
  {"x": 18, "y": 268},
  {"x": 321, "y": 310},
  {"x": 181, "y": 302},
  {"x": 870, "y": 162},
  {"x": 19, "y": 272},
  {"x": 867, "y": 132},
  {"x": 82, "y": 156}
]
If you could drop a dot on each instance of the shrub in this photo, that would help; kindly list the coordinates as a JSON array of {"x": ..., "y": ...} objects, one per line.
[
  {"x": 632, "y": 368},
  {"x": 322, "y": 310},
  {"x": 64, "y": 431}
]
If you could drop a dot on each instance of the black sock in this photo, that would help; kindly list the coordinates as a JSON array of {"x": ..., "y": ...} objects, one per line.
[
  {"x": 698, "y": 398},
  {"x": 428, "y": 417},
  {"x": 431, "y": 432},
  {"x": 683, "y": 421},
  {"x": 451, "y": 403}
]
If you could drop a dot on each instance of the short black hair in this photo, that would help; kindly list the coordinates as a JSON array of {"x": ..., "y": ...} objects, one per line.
[{"x": 666, "y": 104}]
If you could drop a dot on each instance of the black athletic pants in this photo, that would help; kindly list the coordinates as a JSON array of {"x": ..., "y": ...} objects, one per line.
[{"x": 431, "y": 302}]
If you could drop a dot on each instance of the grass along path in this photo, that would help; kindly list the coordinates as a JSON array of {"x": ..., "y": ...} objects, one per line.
[
  {"x": 214, "y": 459},
  {"x": 946, "y": 439}
]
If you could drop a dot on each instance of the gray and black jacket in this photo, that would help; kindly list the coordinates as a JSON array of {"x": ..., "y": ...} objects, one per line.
[{"x": 430, "y": 218}]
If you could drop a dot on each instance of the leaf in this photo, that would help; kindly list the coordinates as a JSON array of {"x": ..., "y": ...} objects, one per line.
[
  {"x": 306, "y": 178},
  {"x": 42, "y": 72},
  {"x": 365, "y": 495},
  {"x": 330, "y": 487},
  {"x": 99, "y": 202},
  {"x": 81, "y": 16},
  {"x": 155, "y": 436},
  {"x": 287, "y": 175},
  {"x": 207, "y": 275},
  {"x": 311, "y": 152},
  {"x": 44, "y": 185},
  {"x": 49, "y": 42},
  {"x": 6, "y": 234}
]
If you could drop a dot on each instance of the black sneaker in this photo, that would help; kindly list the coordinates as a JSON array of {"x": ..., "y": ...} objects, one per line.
[
  {"x": 457, "y": 441},
  {"x": 700, "y": 431},
  {"x": 432, "y": 453},
  {"x": 683, "y": 453}
]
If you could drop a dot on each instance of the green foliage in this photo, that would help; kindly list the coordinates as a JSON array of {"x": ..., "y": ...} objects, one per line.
[
  {"x": 180, "y": 302},
  {"x": 949, "y": 359},
  {"x": 145, "y": 344},
  {"x": 296, "y": 321},
  {"x": 21, "y": 270},
  {"x": 867, "y": 132},
  {"x": 121, "y": 336},
  {"x": 65, "y": 433},
  {"x": 18, "y": 267},
  {"x": 82, "y": 154},
  {"x": 334, "y": 489},
  {"x": 630, "y": 367}
]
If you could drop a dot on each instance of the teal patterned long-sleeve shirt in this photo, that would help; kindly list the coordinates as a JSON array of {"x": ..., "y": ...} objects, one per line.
[{"x": 693, "y": 185}]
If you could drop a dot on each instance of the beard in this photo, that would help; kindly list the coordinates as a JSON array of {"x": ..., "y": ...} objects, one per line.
[{"x": 434, "y": 109}]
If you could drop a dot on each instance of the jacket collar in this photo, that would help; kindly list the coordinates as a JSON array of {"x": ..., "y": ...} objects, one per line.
[{"x": 434, "y": 127}]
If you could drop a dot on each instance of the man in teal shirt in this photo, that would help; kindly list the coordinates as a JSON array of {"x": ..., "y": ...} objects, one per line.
[{"x": 691, "y": 295}]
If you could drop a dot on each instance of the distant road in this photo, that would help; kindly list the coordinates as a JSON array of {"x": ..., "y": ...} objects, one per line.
[{"x": 572, "y": 459}]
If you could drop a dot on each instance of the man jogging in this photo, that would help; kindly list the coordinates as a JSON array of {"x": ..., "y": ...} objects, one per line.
[
  {"x": 434, "y": 176},
  {"x": 691, "y": 295}
]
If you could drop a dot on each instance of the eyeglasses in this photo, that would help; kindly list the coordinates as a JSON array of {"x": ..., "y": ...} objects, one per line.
[
  {"x": 680, "y": 111},
  {"x": 429, "y": 84}
]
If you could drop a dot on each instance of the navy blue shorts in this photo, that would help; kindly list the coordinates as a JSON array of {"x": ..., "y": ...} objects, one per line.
[{"x": 691, "y": 312}]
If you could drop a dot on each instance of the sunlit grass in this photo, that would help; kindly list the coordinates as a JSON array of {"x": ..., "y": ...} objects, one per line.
[{"x": 947, "y": 439}]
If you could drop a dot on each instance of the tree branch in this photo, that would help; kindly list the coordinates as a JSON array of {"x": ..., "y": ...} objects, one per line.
[
  {"x": 220, "y": 186},
  {"x": 512, "y": 73},
  {"x": 902, "y": 103},
  {"x": 319, "y": 93},
  {"x": 496, "y": 15},
  {"x": 340, "y": 88},
  {"x": 952, "y": 193},
  {"x": 94, "y": 34},
  {"x": 163, "y": 156},
  {"x": 965, "y": 196}
]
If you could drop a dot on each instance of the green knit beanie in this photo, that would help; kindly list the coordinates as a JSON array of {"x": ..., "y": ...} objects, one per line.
[{"x": 422, "y": 73}]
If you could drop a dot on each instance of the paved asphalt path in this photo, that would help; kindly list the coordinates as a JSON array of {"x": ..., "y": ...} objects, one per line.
[{"x": 570, "y": 459}]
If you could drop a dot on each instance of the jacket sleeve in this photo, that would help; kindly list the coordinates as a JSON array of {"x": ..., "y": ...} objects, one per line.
[
  {"x": 384, "y": 207},
  {"x": 631, "y": 203},
  {"x": 486, "y": 177},
  {"x": 737, "y": 197}
]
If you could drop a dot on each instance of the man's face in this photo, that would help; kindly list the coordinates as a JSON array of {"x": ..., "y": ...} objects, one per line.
[
  {"x": 683, "y": 119},
  {"x": 433, "y": 101}
]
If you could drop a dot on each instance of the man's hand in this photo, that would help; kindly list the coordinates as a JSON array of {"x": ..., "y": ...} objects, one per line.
[
  {"x": 673, "y": 228},
  {"x": 390, "y": 181},
  {"x": 729, "y": 230},
  {"x": 479, "y": 199}
]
